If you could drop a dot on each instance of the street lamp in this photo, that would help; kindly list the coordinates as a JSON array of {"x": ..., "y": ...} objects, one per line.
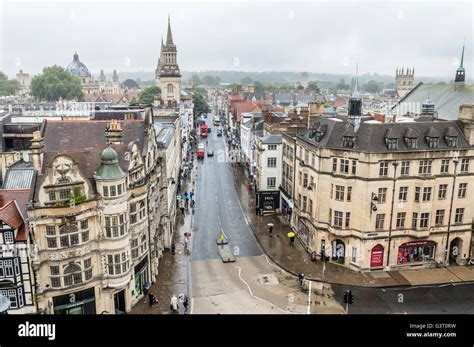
[
  {"x": 455, "y": 161},
  {"x": 395, "y": 165}
]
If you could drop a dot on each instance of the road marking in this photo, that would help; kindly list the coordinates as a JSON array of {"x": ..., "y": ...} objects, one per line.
[
  {"x": 256, "y": 297},
  {"x": 309, "y": 298}
]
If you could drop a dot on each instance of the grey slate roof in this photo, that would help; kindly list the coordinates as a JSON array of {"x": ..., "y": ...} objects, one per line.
[
  {"x": 372, "y": 137},
  {"x": 446, "y": 100},
  {"x": 19, "y": 176},
  {"x": 272, "y": 139}
]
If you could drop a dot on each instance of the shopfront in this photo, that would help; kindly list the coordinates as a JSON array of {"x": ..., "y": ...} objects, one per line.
[
  {"x": 81, "y": 302},
  {"x": 268, "y": 201},
  {"x": 419, "y": 251},
  {"x": 141, "y": 276}
]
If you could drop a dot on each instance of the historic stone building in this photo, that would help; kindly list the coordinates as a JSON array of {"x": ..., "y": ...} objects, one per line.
[
  {"x": 404, "y": 81},
  {"x": 167, "y": 74},
  {"x": 378, "y": 196},
  {"x": 88, "y": 83},
  {"x": 93, "y": 214}
]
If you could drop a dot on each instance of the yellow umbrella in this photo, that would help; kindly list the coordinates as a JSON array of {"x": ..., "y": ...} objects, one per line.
[{"x": 291, "y": 234}]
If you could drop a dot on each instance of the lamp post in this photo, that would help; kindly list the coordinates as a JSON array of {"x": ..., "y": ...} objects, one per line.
[
  {"x": 455, "y": 161},
  {"x": 395, "y": 165}
]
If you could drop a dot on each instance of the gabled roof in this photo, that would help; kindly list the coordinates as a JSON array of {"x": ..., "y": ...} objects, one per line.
[{"x": 13, "y": 205}]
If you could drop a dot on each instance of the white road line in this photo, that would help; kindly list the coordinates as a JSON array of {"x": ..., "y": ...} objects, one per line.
[
  {"x": 192, "y": 306},
  {"x": 309, "y": 298},
  {"x": 256, "y": 297}
]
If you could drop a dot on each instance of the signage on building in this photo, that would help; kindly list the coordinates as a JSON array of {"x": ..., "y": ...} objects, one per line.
[{"x": 376, "y": 259}]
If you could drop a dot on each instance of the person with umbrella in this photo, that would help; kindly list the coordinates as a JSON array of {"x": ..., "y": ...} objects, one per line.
[
  {"x": 270, "y": 229},
  {"x": 291, "y": 235}
]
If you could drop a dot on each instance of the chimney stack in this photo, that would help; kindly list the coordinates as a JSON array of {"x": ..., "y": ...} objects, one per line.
[
  {"x": 37, "y": 150},
  {"x": 114, "y": 133}
]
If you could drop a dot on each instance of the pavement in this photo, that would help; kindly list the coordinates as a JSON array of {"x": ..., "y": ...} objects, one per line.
[{"x": 296, "y": 259}]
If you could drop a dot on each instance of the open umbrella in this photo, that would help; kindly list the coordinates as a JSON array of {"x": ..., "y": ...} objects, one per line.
[
  {"x": 291, "y": 234},
  {"x": 187, "y": 234}
]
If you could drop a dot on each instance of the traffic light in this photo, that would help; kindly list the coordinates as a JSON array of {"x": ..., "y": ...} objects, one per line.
[
  {"x": 346, "y": 296},
  {"x": 350, "y": 297}
]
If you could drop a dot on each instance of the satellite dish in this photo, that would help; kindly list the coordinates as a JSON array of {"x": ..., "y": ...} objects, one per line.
[{"x": 26, "y": 156}]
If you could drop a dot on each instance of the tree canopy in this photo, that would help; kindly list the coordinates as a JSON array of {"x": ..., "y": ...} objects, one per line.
[
  {"x": 200, "y": 104},
  {"x": 7, "y": 87},
  {"x": 55, "y": 83},
  {"x": 372, "y": 86},
  {"x": 148, "y": 94},
  {"x": 195, "y": 80}
]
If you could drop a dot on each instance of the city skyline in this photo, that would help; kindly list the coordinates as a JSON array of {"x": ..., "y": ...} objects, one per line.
[{"x": 266, "y": 41}]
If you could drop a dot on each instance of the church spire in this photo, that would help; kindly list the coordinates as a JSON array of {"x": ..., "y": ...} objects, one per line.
[
  {"x": 460, "y": 73},
  {"x": 462, "y": 57},
  {"x": 169, "y": 36}
]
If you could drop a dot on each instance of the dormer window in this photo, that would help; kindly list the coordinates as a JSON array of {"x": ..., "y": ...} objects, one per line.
[
  {"x": 412, "y": 143},
  {"x": 433, "y": 142},
  {"x": 348, "y": 141},
  {"x": 318, "y": 136},
  {"x": 392, "y": 143},
  {"x": 452, "y": 141}
]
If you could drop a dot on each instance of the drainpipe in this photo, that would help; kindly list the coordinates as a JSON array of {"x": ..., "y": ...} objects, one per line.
[
  {"x": 395, "y": 165},
  {"x": 456, "y": 161}
]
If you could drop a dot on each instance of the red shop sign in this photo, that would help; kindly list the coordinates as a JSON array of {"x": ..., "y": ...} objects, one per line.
[
  {"x": 417, "y": 243},
  {"x": 376, "y": 258}
]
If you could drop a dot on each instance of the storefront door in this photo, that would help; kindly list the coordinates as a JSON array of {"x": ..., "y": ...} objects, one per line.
[{"x": 376, "y": 257}]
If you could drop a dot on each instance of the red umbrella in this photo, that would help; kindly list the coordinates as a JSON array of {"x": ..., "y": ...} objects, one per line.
[{"x": 187, "y": 234}]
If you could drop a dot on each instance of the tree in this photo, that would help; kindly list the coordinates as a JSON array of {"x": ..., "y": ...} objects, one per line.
[
  {"x": 195, "y": 80},
  {"x": 258, "y": 86},
  {"x": 313, "y": 86},
  {"x": 56, "y": 83},
  {"x": 372, "y": 86},
  {"x": 200, "y": 104},
  {"x": 246, "y": 81},
  {"x": 148, "y": 95},
  {"x": 209, "y": 80},
  {"x": 342, "y": 85},
  {"x": 7, "y": 87}
]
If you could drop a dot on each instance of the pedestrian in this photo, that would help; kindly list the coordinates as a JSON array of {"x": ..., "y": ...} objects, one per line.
[
  {"x": 173, "y": 249},
  {"x": 152, "y": 299},
  {"x": 292, "y": 241},
  {"x": 191, "y": 193},
  {"x": 185, "y": 303},
  {"x": 270, "y": 230},
  {"x": 174, "y": 304},
  {"x": 193, "y": 203},
  {"x": 145, "y": 291},
  {"x": 257, "y": 210}
]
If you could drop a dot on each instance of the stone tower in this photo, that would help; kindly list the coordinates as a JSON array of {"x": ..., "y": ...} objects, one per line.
[
  {"x": 305, "y": 80},
  {"x": 167, "y": 74},
  {"x": 404, "y": 81},
  {"x": 460, "y": 77}
]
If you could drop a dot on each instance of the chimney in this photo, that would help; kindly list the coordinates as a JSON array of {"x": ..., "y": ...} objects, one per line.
[
  {"x": 267, "y": 116},
  {"x": 114, "y": 133},
  {"x": 466, "y": 116},
  {"x": 37, "y": 150}
]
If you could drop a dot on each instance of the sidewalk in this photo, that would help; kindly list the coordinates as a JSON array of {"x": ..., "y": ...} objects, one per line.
[
  {"x": 296, "y": 259},
  {"x": 172, "y": 271}
]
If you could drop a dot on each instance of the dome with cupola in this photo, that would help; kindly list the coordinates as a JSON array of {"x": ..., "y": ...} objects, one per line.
[
  {"x": 77, "y": 68},
  {"x": 110, "y": 168}
]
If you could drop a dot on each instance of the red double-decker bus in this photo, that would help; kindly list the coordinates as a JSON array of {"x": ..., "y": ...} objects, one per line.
[{"x": 204, "y": 130}]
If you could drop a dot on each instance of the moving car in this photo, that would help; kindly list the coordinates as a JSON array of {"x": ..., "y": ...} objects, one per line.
[
  {"x": 219, "y": 132},
  {"x": 204, "y": 130},
  {"x": 210, "y": 152}
]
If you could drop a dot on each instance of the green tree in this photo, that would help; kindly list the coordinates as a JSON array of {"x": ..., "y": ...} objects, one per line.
[
  {"x": 209, "y": 80},
  {"x": 258, "y": 86},
  {"x": 195, "y": 80},
  {"x": 200, "y": 104},
  {"x": 246, "y": 81},
  {"x": 7, "y": 87},
  {"x": 148, "y": 94},
  {"x": 55, "y": 83},
  {"x": 372, "y": 86},
  {"x": 313, "y": 86},
  {"x": 342, "y": 85}
]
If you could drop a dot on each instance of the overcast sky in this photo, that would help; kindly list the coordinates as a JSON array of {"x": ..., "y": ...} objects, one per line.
[{"x": 315, "y": 36}]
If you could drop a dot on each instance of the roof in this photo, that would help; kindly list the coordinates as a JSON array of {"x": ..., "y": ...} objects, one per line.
[
  {"x": 371, "y": 138},
  {"x": 84, "y": 142},
  {"x": 445, "y": 98},
  {"x": 13, "y": 204},
  {"x": 19, "y": 176},
  {"x": 77, "y": 68},
  {"x": 271, "y": 139}
]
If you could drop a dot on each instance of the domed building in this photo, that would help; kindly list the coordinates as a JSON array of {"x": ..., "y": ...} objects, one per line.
[{"x": 79, "y": 69}]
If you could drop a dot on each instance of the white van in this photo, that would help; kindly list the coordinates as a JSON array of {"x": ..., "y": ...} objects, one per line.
[{"x": 216, "y": 120}]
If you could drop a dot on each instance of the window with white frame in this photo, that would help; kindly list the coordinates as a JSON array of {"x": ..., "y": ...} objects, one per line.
[
  {"x": 465, "y": 165},
  {"x": 459, "y": 215},
  {"x": 344, "y": 165},
  {"x": 117, "y": 264},
  {"x": 15, "y": 296},
  {"x": 272, "y": 162},
  {"x": 115, "y": 226},
  {"x": 271, "y": 182},
  {"x": 405, "y": 168},
  {"x": 383, "y": 169},
  {"x": 462, "y": 190},
  {"x": 340, "y": 193},
  {"x": 425, "y": 167},
  {"x": 403, "y": 194},
  {"x": 424, "y": 220},
  {"x": 444, "y": 166},
  {"x": 8, "y": 237},
  {"x": 338, "y": 218},
  {"x": 69, "y": 235}
]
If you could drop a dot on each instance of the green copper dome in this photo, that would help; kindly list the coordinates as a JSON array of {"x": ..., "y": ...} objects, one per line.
[{"x": 109, "y": 169}]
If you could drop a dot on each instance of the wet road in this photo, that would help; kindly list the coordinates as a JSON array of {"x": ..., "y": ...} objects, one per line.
[{"x": 217, "y": 205}]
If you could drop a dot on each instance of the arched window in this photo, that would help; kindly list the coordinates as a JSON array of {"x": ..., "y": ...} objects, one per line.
[
  {"x": 63, "y": 179},
  {"x": 72, "y": 274},
  {"x": 170, "y": 89}
]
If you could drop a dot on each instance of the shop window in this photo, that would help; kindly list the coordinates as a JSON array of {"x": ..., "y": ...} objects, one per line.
[{"x": 416, "y": 252}]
